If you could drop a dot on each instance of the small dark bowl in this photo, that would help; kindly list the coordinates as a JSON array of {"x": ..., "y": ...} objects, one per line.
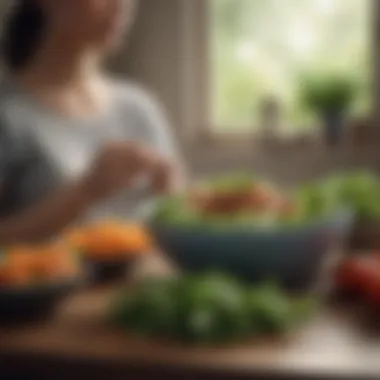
[
  {"x": 21, "y": 304},
  {"x": 106, "y": 271},
  {"x": 293, "y": 255}
]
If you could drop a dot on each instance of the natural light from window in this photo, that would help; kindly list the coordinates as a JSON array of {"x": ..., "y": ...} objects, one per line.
[{"x": 261, "y": 49}]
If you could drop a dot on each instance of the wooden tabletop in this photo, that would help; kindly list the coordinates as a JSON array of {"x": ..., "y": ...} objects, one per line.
[{"x": 333, "y": 344}]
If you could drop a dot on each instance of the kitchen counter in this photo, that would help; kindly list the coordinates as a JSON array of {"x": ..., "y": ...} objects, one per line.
[{"x": 76, "y": 342}]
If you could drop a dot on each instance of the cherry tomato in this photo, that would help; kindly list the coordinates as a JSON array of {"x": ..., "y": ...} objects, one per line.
[
  {"x": 347, "y": 276},
  {"x": 362, "y": 276},
  {"x": 372, "y": 286},
  {"x": 355, "y": 274}
]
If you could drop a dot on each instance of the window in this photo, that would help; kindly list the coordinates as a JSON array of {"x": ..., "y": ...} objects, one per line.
[{"x": 261, "y": 48}]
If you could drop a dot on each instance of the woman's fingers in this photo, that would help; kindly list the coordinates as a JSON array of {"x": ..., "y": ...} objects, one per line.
[
  {"x": 134, "y": 160},
  {"x": 166, "y": 179}
]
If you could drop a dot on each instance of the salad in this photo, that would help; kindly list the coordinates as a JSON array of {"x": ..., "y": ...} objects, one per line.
[
  {"x": 33, "y": 265},
  {"x": 243, "y": 201},
  {"x": 231, "y": 200},
  {"x": 209, "y": 308},
  {"x": 358, "y": 191}
]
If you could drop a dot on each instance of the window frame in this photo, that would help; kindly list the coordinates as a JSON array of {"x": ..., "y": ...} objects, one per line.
[{"x": 197, "y": 66}]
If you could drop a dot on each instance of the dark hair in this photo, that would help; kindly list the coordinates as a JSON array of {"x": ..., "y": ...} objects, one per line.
[{"x": 22, "y": 33}]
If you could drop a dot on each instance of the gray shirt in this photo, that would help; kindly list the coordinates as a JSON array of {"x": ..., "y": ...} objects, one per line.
[{"x": 41, "y": 151}]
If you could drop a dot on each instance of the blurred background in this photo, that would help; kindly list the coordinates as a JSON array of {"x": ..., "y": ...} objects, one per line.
[{"x": 236, "y": 77}]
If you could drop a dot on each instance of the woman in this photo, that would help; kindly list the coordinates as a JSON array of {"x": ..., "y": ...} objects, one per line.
[{"x": 74, "y": 143}]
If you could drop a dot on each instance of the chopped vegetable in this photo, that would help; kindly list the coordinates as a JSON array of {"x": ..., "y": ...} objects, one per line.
[
  {"x": 362, "y": 276},
  {"x": 235, "y": 183},
  {"x": 110, "y": 240},
  {"x": 269, "y": 309},
  {"x": 28, "y": 265},
  {"x": 212, "y": 309},
  {"x": 150, "y": 311},
  {"x": 241, "y": 201},
  {"x": 358, "y": 191},
  {"x": 208, "y": 308},
  {"x": 228, "y": 201},
  {"x": 348, "y": 276}
]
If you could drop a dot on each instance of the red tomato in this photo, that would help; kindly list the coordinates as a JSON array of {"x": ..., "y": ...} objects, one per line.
[
  {"x": 355, "y": 274},
  {"x": 361, "y": 275},
  {"x": 347, "y": 276},
  {"x": 372, "y": 287}
]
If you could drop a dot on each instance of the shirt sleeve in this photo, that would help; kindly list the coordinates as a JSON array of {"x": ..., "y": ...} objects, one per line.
[
  {"x": 155, "y": 123},
  {"x": 162, "y": 134},
  {"x": 10, "y": 160},
  {"x": 23, "y": 171},
  {"x": 162, "y": 137},
  {"x": 8, "y": 151}
]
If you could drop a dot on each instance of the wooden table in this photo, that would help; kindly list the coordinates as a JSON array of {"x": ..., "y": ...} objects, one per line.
[{"x": 77, "y": 343}]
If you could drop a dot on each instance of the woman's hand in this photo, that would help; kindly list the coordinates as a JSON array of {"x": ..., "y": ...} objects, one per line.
[
  {"x": 120, "y": 164},
  {"x": 167, "y": 177}
]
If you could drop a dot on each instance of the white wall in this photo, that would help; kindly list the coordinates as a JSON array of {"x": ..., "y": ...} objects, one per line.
[{"x": 153, "y": 53}]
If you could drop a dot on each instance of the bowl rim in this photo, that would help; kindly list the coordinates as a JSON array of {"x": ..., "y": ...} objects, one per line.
[
  {"x": 342, "y": 214},
  {"x": 43, "y": 287}
]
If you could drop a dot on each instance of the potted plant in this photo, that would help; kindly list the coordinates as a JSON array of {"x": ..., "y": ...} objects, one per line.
[{"x": 330, "y": 95}]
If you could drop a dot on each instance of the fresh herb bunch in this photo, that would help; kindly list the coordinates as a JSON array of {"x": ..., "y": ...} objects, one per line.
[
  {"x": 360, "y": 192},
  {"x": 209, "y": 308},
  {"x": 330, "y": 92}
]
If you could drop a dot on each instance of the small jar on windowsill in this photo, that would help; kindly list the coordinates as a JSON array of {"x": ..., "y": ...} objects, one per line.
[{"x": 270, "y": 120}]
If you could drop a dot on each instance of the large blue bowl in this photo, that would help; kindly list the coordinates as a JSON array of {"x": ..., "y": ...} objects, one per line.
[{"x": 292, "y": 255}]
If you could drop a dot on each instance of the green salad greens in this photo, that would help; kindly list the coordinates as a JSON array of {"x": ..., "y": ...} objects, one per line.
[
  {"x": 181, "y": 210},
  {"x": 230, "y": 183},
  {"x": 360, "y": 192},
  {"x": 176, "y": 210},
  {"x": 180, "y": 213},
  {"x": 209, "y": 308}
]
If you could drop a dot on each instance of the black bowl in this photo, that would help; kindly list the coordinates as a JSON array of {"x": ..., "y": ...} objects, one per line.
[
  {"x": 106, "y": 271},
  {"x": 20, "y": 304}
]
